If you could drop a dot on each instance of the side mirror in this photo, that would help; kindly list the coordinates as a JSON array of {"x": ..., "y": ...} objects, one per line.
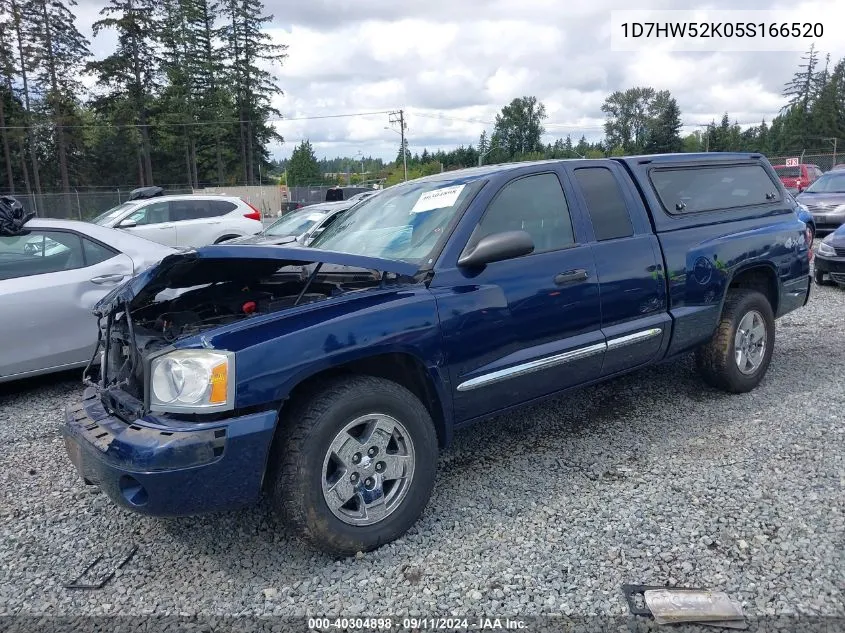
[
  {"x": 128, "y": 223},
  {"x": 497, "y": 247}
]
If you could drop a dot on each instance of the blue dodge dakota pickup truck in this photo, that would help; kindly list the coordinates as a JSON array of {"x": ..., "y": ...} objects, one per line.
[{"x": 328, "y": 377}]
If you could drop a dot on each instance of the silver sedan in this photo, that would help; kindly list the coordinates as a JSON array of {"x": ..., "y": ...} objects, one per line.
[{"x": 50, "y": 278}]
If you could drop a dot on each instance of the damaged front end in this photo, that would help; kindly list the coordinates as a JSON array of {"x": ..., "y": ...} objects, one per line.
[{"x": 190, "y": 293}]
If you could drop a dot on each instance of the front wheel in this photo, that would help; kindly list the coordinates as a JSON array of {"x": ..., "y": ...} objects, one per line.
[
  {"x": 354, "y": 464},
  {"x": 737, "y": 356}
]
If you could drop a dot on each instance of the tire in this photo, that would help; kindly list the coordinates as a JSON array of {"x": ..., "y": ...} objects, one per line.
[
  {"x": 225, "y": 237},
  {"x": 302, "y": 460},
  {"x": 818, "y": 277},
  {"x": 717, "y": 361}
]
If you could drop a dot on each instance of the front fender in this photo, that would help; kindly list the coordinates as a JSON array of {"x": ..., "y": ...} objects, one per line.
[{"x": 274, "y": 356}]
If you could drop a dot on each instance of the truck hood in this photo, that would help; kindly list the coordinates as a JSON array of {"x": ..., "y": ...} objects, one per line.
[{"x": 212, "y": 263}]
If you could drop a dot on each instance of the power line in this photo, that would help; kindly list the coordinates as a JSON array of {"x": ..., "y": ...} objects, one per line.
[
  {"x": 194, "y": 123},
  {"x": 443, "y": 117}
]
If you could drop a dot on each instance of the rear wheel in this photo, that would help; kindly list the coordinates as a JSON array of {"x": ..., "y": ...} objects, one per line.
[
  {"x": 737, "y": 356},
  {"x": 354, "y": 464}
]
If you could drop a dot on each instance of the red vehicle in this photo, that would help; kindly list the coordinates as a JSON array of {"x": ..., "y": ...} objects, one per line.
[{"x": 796, "y": 178}]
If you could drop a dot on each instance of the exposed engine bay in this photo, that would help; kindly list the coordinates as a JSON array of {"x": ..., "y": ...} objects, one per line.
[
  {"x": 171, "y": 315},
  {"x": 221, "y": 303}
]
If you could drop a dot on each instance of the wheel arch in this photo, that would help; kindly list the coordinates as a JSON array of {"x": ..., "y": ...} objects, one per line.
[
  {"x": 759, "y": 276},
  {"x": 228, "y": 236},
  {"x": 403, "y": 368}
]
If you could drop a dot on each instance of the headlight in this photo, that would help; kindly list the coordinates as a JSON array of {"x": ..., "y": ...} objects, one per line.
[
  {"x": 826, "y": 249},
  {"x": 192, "y": 381}
]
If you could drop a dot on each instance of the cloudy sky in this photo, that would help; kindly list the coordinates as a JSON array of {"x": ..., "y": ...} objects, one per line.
[{"x": 452, "y": 64}]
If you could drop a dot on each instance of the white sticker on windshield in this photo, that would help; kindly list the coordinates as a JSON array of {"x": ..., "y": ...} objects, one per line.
[
  {"x": 438, "y": 198},
  {"x": 314, "y": 217}
]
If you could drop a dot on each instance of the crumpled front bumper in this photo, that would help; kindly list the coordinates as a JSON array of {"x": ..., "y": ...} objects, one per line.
[{"x": 167, "y": 467}]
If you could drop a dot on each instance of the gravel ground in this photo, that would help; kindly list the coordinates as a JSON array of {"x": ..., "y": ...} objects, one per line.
[{"x": 652, "y": 478}]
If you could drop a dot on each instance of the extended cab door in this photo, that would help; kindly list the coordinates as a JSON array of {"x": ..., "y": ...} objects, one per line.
[
  {"x": 525, "y": 327},
  {"x": 635, "y": 320}
]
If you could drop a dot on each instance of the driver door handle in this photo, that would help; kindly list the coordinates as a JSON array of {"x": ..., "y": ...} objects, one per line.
[
  {"x": 570, "y": 277},
  {"x": 104, "y": 279}
]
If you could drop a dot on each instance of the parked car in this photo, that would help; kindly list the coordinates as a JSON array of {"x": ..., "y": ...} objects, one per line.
[
  {"x": 185, "y": 220},
  {"x": 299, "y": 227},
  {"x": 796, "y": 178},
  {"x": 830, "y": 259},
  {"x": 287, "y": 207},
  {"x": 359, "y": 197},
  {"x": 329, "y": 376},
  {"x": 338, "y": 193},
  {"x": 825, "y": 199},
  {"x": 51, "y": 276},
  {"x": 804, "y": 215}
]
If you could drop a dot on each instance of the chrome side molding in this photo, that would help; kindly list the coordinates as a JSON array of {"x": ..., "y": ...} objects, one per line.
[{"x": 558, "y": 359}]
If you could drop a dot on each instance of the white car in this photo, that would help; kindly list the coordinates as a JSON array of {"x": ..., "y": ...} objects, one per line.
[
  {"x": 186, "y": 220},
  {"x": 50, "y": 278}
]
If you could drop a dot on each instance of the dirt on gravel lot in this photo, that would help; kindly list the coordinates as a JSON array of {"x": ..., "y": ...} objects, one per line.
[{"x": 652, "y": 478}]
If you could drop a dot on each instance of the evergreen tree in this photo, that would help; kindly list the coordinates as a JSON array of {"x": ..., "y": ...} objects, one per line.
[
  {"x": 129, "y": 74},
  {"x": 58, "y": 53},
  {"x": 7, "y": 66},
  {"x": 408, "y": 156},
  {"x": 303, "y": 168},
  {"x": 22, "y": 20},
  {"x": 483, "y": 143},
  {"x": 799, "y": 90},
  {"x": 252, "y": 49}
]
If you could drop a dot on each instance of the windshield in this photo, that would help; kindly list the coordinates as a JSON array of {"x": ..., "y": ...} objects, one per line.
[
  {"x": 405, "y": 222},
  {"x": 295, "y": 224},
  {"x": 114, "y": 212},
  {"x": 828, "y": 183}
]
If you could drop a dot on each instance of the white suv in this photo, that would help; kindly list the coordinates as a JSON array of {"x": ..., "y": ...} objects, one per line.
[{"x": 187, "y": 220}]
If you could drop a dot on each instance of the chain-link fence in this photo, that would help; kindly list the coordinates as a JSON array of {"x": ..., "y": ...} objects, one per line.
[
  {"x": 317, "y": 193},
  {"x": 80, "y": 204},
  {"x": 825, "y": 162}
]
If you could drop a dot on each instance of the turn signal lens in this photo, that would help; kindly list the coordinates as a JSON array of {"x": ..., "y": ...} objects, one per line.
[{"x": 219, "y": 384}]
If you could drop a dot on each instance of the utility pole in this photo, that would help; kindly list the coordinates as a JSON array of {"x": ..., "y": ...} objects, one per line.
[
  {"x": 399, "y": 117},
  {"x": 833, "y": 139}
]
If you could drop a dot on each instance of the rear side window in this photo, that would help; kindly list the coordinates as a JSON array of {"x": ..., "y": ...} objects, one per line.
[
  {"x": 95, "y": 253},
  {"x": 696, "y": 189},
  {"x": 220, "y": 207},
  {"x": 182, "y": 210},
  {"x": 605, "y": 202}
]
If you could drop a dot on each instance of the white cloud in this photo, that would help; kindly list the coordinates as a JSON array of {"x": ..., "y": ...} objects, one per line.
[{"x": 459, "y": 61}]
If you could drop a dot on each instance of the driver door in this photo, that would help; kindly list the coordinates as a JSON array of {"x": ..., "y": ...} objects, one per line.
[
  {"x": 153, "y": 222},
  {"x": 526, "y": 327}
]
